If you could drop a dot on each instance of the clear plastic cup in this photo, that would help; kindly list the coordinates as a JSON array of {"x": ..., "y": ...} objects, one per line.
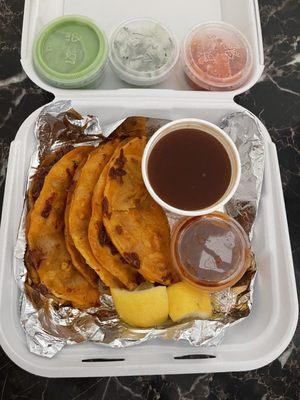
[
  {"x": 211, "y": 251},
  {"x": 216, "y": 56},
  {"x": 143, "y": 52},
  {"x": 71, "y": 52}
]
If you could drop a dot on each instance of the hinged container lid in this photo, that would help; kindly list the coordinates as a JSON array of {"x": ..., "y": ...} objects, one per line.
[{"x": 179, "y": 16}]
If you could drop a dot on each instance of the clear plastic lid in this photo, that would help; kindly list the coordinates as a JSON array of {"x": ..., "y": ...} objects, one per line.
[
  {"x": 217, "y": 56},
  {"x": 211, "y": 251},
  {"x": 70, "y": 52},
  {"x": 143, "y": 51}
]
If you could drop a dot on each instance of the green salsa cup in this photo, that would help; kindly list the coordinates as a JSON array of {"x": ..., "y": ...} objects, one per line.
[{"x": 70, "y": 52}]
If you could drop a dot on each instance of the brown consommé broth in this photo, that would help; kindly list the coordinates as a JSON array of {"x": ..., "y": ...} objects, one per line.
[{"x": 189, "y": 169}]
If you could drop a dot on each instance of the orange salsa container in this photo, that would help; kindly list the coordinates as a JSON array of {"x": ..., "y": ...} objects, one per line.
[
  {"x": 211, "y": 251},
  {"x": 216, "y": 56}
]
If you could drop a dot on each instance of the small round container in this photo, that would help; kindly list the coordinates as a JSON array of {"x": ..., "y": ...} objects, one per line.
[
  {"x": 201, "y": 126},
  {"x": 216, "y": 56},
  {"x": 211, "y": 252},
  {"x": 70, "y": 52},
  {"x": 143, "y": 52}
]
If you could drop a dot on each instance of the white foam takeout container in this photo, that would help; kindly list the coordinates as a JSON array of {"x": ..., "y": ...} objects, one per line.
[{"x": 255, "y": 341}]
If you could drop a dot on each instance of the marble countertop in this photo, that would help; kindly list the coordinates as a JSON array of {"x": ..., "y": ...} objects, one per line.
[{"x": 275, "y": 99}]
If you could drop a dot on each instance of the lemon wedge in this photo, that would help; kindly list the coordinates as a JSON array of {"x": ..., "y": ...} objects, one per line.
[
  {"x": 186, "y": 301},
  {"x": 142, "y": 308}
]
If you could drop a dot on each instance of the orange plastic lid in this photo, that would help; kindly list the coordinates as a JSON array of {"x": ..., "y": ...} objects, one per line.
[{"x": 211, "y": 251}]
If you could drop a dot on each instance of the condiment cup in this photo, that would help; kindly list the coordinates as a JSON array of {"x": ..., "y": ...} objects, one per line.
[
  {"x": 217, "y": 133},
  {"x": 128, "y": 55},
  {"x": 216, "y": 56},
  {"x": 71, "y": 52},
  {"x": 211, "y": 252}
]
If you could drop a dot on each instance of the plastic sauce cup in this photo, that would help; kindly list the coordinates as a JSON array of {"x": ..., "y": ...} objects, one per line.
[
  {"x": 217, "y": 133},
  {"x": 143, "y": 52},
  {"x": 211, "y": 252},
  {"x": 216, "y": 56},
  {"x": 70, "y": 52}
]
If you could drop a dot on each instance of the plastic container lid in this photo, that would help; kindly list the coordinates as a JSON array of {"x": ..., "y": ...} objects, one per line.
[
  {"x": 217, "y": 56},
  {"x": 70, "y": 52},
  {"x": 211, "y": 251},
  {"x": 143, "y": 51}
]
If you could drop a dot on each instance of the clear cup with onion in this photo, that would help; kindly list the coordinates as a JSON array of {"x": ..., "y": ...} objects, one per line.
[{"x": 143, "y": 51}]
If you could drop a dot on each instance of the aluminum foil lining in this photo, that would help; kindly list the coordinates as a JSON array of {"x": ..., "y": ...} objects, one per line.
[
  {"x": 244, "y": 130},
  {"x": 49, "y": 327}
]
